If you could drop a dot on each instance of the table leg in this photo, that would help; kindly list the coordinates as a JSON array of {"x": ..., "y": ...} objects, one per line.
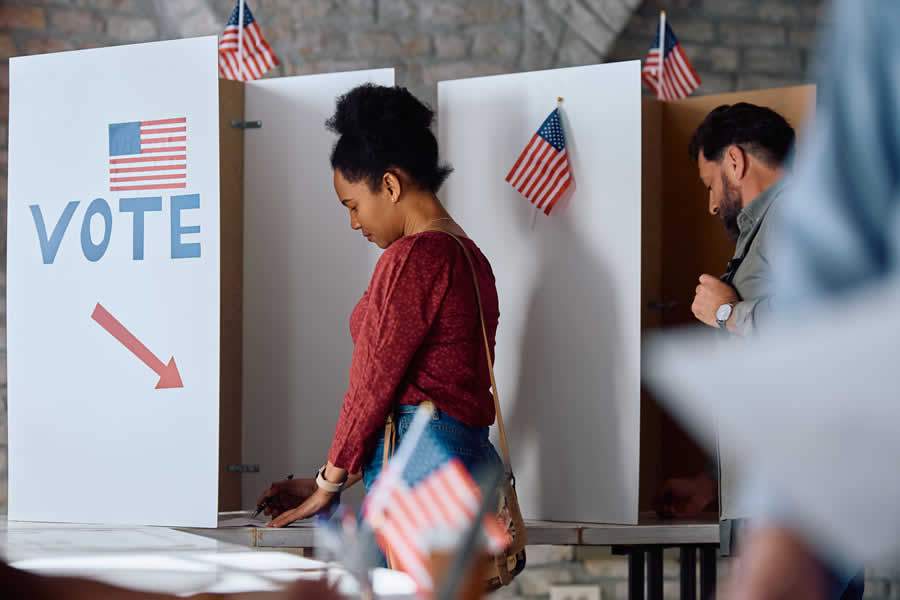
[
  {"x": 688, "y": 573},
  {"x": 655, "y": 573},
  {"x": 708, "y": 557},
  {"x": 635, "y": 574}
]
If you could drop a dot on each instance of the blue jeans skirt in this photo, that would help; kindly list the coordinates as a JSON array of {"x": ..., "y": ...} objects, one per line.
[{"x": 470, "y": 444}]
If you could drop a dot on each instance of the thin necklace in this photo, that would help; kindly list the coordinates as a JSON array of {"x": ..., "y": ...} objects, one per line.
[{"x": 434, "y": 221}]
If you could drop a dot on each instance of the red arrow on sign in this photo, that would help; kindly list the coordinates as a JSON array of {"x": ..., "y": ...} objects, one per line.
[{"x": 169, "y": 377}]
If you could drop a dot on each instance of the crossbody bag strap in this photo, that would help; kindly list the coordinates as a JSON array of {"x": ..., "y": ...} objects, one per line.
[{"x": 501, "y": 428}]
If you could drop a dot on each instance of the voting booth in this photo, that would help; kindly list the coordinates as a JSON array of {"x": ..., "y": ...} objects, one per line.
[
  {"x": 578, "y": 287},
  {"x": 568, "y": 342},
  {"x": 304, "y": 271},
  {"x": 181, "y": 275},
  {"x": 687, "y": 242},
  {"x": 116, "y": 302}
]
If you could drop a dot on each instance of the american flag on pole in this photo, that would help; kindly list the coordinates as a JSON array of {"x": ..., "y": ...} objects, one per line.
[
  {"x": 148, "y": 155},
  {"x": 542, "y": 173},
  {"x": 258, "y": 56},
  {"x": 422, "y": 491},
  {"x": 679, "y": 79}
]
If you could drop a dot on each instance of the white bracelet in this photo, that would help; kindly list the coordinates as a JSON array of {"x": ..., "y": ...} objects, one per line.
[{"x": 326, "y": 485}]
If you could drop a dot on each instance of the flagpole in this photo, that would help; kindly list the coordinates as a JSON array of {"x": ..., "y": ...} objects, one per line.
[
  {"x": 662, "y": 53},
  {"x": 241, "y": 40}
]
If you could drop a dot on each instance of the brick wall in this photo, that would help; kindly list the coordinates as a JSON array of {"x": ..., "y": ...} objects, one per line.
[{"x": 735, "y": 44}]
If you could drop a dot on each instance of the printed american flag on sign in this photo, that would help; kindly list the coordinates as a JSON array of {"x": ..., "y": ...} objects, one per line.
[
  {"x": 542, "y": 173},
  {"x": 679, "y": 79},
  {"x": 259, "y": 57},
  {"x": 433, "y": 492},
  {"x": 148, "y": 155}
]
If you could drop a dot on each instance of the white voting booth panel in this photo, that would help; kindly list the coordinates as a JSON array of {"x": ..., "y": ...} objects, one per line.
[
  {"x": 568, "y": 344},
  {"x": 111, "y": 275},
  {"x": 304, "y": 270}
]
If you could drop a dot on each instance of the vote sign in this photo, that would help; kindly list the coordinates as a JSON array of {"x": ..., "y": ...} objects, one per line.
[{"x": 113, "y": 285}]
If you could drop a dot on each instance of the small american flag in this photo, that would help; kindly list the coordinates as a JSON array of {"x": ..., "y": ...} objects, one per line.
[
  {"x": 428, "y": 491},
  {"x": 258, "y": 55},
  {"x": 148, "y": 155},
  {"x": 679, "y": 79},
  {"x": 542, "y": 173}
]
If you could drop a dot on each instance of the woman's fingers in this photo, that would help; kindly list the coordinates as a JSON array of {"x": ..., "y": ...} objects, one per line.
[
  {"x": 311, "y": 506},
  {"x": 288, "y": 517}
]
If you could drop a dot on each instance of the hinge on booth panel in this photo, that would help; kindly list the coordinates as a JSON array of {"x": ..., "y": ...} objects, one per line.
[
  {"x": 246, "y": 124},
  {"x": 242, "y": 468}
]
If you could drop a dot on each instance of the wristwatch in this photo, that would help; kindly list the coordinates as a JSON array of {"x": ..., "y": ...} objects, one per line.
[
  {"x": 723, "y": 313},
  {"x": 321, "y": 482}
]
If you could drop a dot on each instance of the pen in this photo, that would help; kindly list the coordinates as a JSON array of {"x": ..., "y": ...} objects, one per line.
[{"x": 265, "y": 501}]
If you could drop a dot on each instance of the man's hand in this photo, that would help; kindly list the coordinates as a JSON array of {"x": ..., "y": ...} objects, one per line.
[{"x": 711, "y": 294}]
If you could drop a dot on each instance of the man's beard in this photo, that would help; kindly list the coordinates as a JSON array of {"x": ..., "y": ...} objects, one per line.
[{"x": 730, "y": 208}]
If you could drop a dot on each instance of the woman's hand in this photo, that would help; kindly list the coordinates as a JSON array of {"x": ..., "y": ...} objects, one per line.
[
  {"x": 319, "y": 501},
  {"x": 287, "y": 494}
]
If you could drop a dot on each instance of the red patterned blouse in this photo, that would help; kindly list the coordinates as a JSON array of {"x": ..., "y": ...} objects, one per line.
[{"x": 417, "y": 336}]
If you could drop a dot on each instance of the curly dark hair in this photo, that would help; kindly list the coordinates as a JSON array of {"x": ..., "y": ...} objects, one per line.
[
  {"x": 760, "y": 131},
  {"x": 381, "y": 128}
]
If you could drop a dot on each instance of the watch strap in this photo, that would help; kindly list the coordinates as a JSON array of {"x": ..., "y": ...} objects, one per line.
[{"x": 326, "y": 485}]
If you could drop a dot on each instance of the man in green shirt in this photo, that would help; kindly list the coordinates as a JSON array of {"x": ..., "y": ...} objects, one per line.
[{"x": 740, "y": 151}]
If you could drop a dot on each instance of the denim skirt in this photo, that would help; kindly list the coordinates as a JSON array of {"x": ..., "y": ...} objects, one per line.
[{"x": 470, "y": 444}]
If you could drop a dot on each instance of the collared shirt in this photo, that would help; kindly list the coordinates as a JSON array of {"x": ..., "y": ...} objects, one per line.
[{"x": 753, "y": 279}]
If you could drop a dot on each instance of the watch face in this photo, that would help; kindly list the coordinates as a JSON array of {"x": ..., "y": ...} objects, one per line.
[{"x": 723, "y": 312}]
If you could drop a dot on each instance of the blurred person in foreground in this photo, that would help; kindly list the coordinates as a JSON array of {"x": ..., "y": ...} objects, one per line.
[{"x": 839, "y": 235}]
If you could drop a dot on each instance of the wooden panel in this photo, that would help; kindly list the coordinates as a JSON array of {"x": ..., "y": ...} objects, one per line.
[
  {"x": 651, "y": 286},
  {"x": 231, "y": 172}
]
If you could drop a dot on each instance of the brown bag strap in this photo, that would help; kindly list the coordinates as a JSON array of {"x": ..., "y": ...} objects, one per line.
[
  {"x": 388, "y": 440},
  {"x": 389, "y": 437},
  {"x": 501, "y": 428}
]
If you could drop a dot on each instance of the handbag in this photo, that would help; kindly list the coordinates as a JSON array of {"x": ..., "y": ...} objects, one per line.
[{"x": 505, "y": 566}]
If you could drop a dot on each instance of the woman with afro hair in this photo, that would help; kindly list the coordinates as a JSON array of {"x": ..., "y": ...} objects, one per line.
[{"x": 417, "y": 332}]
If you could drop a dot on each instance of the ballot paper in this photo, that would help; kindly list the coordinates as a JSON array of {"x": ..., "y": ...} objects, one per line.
[
  {"x": 813, "y": 407},
  {"x": 246, "y": 519},
  {"x": 242, "y": 522}
]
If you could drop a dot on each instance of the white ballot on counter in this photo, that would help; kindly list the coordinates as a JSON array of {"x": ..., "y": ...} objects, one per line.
[
  {"x": 812, "y": 406},
  {"x": 242, "y": 522}
]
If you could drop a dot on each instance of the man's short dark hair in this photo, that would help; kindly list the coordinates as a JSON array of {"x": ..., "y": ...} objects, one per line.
[{"x": 760, "y": 131}]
